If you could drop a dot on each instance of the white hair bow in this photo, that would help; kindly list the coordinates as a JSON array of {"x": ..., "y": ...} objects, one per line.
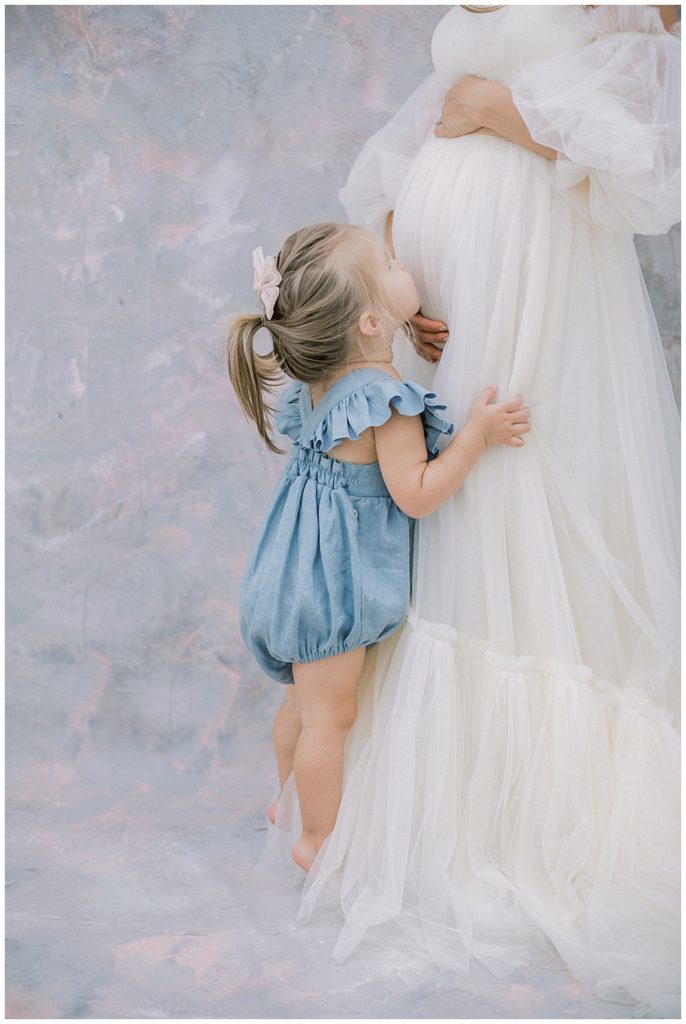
[{"x": 266, "y": 280}]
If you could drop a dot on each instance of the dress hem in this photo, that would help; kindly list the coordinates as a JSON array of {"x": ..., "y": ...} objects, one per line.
[{"x": 542, "y": 804}]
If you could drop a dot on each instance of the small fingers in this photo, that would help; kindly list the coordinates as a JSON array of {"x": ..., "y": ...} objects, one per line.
[
  {"x": 513, "y": 404},
  {"x": 518, "y": 416}
]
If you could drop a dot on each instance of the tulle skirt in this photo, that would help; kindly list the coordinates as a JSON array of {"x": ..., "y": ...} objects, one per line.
[{"x": 511, "y": 781}]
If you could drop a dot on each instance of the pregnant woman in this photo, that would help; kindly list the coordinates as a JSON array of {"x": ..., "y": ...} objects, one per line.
[{"x": 510, "y": 789}]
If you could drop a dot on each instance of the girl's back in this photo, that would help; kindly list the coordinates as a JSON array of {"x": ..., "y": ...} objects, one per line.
[{"x": 331, "y": 568}]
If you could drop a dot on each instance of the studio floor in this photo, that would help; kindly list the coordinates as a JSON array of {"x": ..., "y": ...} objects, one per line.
[{"x": 131, "y": 895}]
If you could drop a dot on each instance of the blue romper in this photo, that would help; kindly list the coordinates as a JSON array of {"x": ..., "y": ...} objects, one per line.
[{"x": 331, "y": 568}]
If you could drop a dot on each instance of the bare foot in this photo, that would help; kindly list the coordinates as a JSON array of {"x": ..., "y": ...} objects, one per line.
[
  {"x": 271, "y": 813},
  {"x": 304, "y": 851}
]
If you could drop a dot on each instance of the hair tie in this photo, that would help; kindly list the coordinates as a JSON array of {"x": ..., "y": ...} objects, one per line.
[{"x": 266, "y": 280}]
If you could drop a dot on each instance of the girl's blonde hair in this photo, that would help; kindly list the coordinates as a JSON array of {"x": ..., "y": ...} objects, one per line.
[{"x": 329, "y": 277}]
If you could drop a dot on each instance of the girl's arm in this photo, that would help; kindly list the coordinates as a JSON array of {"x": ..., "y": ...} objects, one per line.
[
  {"x": 476, "y": 104},
  {"x": 417, "y": 486}
]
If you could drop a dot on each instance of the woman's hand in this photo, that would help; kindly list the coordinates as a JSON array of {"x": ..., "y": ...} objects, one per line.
[
  {"x": 479, "y": 105},
  {"x": 429, "y": 337},
  {"x": 502, "y": 423},
  {"x": 461, "y": 113}
]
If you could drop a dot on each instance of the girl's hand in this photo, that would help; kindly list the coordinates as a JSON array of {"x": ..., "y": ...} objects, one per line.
[
  {"x": 503, "y": 423},
  {"x": 429, "y": 337},
  {"x": 461, "y": 112}
]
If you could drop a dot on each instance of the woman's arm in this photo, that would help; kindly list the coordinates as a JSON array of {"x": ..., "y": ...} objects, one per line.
[
  {"x": 476, "y": 104},
  {"x": 479, "y": 105}
]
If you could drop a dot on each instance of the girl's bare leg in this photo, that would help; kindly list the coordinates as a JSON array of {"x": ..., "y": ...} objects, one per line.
[
  {"x": 327, "y": 697},
  {"x": 285, "y": 733}
]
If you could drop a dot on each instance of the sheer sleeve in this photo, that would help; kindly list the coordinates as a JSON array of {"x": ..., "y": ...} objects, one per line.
[
  {"x": 611, "y": 110},
  {"x": 377, "y": 174}
]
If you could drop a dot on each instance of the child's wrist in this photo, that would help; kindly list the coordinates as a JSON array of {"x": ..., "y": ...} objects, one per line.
[{"x": 473, "y": 436}]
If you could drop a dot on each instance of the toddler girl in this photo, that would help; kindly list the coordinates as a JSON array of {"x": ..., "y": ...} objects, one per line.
[{"x": 330, "y": 574}]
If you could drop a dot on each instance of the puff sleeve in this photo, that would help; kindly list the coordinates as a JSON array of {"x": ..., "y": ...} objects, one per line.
[
  {"x": 611, "y": 110},
  {"x": 377, "y": 174}
]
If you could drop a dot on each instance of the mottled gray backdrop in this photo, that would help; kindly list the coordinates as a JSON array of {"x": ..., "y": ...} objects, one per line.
[{"x": 149, "y": 149}]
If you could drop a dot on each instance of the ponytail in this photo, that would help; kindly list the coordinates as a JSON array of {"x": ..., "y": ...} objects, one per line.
[
  {"x": 328, "y": 275},
  {"x": 252, "y": 374}
]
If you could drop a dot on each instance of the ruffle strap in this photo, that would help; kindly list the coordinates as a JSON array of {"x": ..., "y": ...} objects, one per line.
[
  {"x": 289, "y": 417},
  {"x": 370, "y": 406}
]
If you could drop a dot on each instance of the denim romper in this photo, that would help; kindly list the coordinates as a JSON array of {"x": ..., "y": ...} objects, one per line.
[{"x": 331, "y": 568}]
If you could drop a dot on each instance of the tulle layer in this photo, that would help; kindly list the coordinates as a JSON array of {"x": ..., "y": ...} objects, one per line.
[
  {"x": 515, "y": 811},
  {"x": 612, "y": 111},
  {"x": 569, "y": 547},
  {"x": 610, "y": 108},
  {"x": 523, "y": 809}
]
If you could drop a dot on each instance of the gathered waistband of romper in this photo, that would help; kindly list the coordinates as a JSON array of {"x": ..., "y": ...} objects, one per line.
[{"x": 359, "y": 480}]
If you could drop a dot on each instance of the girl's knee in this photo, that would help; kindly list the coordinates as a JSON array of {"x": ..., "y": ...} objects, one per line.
[
  {"x": 336, "y": 718},
  {"x": 343, "y": 718}
]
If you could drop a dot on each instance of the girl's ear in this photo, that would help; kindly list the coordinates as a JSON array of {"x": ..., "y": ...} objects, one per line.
[{"x": 369, "y": 325}]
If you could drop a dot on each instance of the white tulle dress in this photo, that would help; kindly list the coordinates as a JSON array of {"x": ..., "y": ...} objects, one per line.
[{"x": 511, "y": 782}]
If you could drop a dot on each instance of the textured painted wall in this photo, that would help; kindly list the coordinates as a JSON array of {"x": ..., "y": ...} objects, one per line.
[{"x": 149, "y": 149}]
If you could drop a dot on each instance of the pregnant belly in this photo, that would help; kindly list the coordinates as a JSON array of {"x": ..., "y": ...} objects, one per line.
[
  {"x": 499, "y": 256},
  {"x": 464, "y": 207}
]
